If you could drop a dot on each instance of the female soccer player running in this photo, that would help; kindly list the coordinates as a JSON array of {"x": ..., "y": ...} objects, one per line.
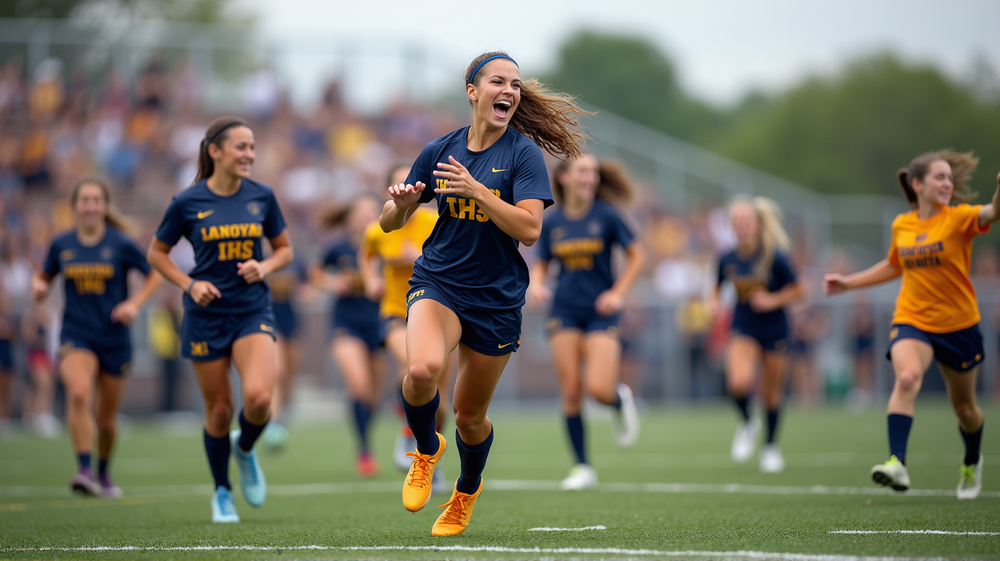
[
  {"x": 583, "y": 327},
  {"x": 468, "y": 286},
  {"x": 95, "y": 344},
  {"x": 765, "y": 283},
  {"x": 357, "y": 334},
  {"x": 936, "y": 315},
  {"x": 397, "y": 251},
  {"x": 227, "y": 308}
]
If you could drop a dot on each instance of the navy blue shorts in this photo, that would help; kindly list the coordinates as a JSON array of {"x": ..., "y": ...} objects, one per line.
[
  {"x": 210, "y": 336},
  {"x": 488, "y": 332},
  {"x": 6, "y": 358},
  {"x": 114, "y": 359},
  {"x": 390, "y": 323},
  {"x": 285, "y": 320},
  {"x": 771, "y": 338},
  {"x": 370, "y": 332},
  {"x": 586, "y": 320},
  {"x": 960, "y": 350}
]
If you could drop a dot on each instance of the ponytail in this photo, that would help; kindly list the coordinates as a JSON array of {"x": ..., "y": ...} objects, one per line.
[
  {"x": 216, "y": 134},
  {"x": 549, "y": 119},
  {"x": 963, "y": 164},
  {"x": 772, "y": 234},
  {"x": 113, "y": 217}
]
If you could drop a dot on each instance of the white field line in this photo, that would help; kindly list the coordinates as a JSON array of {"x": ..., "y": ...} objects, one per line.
[
  {"x": 495, "y": 549},
  {"x": 932, "y": 532},
  {"x": 512, "y": 485},
  {"x": 583, "y": 529}
]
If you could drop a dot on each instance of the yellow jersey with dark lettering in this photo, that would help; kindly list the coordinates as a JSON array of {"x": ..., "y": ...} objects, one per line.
[
  {"x": 391, "y": 249},
  {"x": 934, "y": 254},
  {"x": 224, "y": 232}
]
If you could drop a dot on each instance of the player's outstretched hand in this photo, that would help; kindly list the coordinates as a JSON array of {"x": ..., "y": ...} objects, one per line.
[
  {"x": 125, "y": 312},
  {"x": 251, "y": 271},
  {"x": 763, "y": 301},
  {"x": 39, "y": 289},
  {"x": 609, "y": 303},
  {"x": 374, "y": 289},
  {"x": 833, "y": 284},
  {"x": 538, "y": 294},
  {"x": 204, "y": 292},
  {"x": 405, "y": 195}
]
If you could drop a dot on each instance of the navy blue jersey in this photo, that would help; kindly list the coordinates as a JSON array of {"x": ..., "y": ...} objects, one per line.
[
  {"x": 583, "y": 249},
  {"x": 224, "y": 231},
  {"x": 467, "y": 255},
  {"x": 355, "y": 307},
  {"x": 739, "y": 271},
  {"x": 95, "y": 280}
]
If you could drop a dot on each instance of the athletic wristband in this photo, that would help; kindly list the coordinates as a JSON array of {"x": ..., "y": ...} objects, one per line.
[{"x": 188, "y": 289}]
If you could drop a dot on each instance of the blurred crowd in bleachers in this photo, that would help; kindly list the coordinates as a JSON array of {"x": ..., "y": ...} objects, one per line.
[{"x": 58, "y": 124}]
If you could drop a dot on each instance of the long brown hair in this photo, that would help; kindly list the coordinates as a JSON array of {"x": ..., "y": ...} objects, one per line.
[
  {"x": 336, "y": 215},
  {"x": 113, "y": 217},
  {"x": 217, "y": 133},
  {"x": 772, "y": 234},
  {"x": 614, "y": 186},
  {"x": 547, "y": 118},
  {"x": 962, "y": 165}
]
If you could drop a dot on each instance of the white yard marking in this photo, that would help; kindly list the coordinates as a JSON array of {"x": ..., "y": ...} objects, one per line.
[
  {"x": 932, "y": 532},
  {"x": 584, "y": 529},
  {"x": 494, "y": 549}
]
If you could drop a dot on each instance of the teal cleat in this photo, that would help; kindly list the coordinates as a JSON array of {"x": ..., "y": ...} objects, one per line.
[
  {"x": 252, "y": 481},
  {"x": 224, "y": 507}
]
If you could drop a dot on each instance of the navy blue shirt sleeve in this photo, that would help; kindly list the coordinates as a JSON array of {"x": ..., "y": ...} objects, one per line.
[
  {"x": 620, "y": 232},
  {"x": 172, "y": 227},
  {"x": 133, "y": 257},
  {"x": 781, "y": 271},
  {"x": 274, "y": 223},
  {"x": 531, "y": 178},
  {"x": 52, "y": 261}
]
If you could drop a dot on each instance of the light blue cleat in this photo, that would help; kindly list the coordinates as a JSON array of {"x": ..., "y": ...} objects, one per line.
[
  {"x": 224, "y": 506},
  {"x": 252, "y": 481}
]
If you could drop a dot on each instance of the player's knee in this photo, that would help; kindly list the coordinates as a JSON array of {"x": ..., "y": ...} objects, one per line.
[
  {"x": 258, "y": 402},
  {"x": 909, "y": 381},
  {"x": 572, "y": 401},
  {"x": 105, "y": 422},
  {"x": 79, "y": 395},
  {"x": 964, "y": 409},
  {"x": 422, "y": 375},
  {"x": 219, "y": 415},
  {"x": 469, "y": 421}
]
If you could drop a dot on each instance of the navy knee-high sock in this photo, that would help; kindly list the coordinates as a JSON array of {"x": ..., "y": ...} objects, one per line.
[
  {"x": 362, "y": 413},
  {"x": 899, "y": 433},
  {"x": 217, "y": 449},
  {"x": 972, "y": 444},
  {"x": 574, "y": 427},
  {"x": 473, "y": 463},
  {"x": 422, "y": 420},
  {"x": 249, "y": 432},
  {"x": 772, "y": 424},
  {"x": 743, "y": 404}
]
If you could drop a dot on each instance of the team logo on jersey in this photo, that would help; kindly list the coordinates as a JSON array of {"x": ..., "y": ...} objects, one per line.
[
  {"x": 266, "y": 327},
  {"x": 921, "y": 237},
  {"x": 107, "y": 253},
  {"x": 199, "y": 348},
  {"x": 893, "y": 333},
  {"x": 66, "y": 254},
  {"x": 505, "y": 345},
  {"x": 594, "y": 228},
  {"x": 253, "y": 207},
  {"x": 205, "y": 214}
]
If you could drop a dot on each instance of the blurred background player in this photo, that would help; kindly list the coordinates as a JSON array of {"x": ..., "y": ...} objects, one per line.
[
  {"x": 95, "y": 344},
  {"x": 357, "y": 333},
  {"x": 580, "y": 234},
  {"x": 36, "y": 324},
  {"x": 468, "y": 287},
  {"x": 936, "y": 317},
  {"x": 396, "y": 251},
  {"x": 227, "y": 308},
  {"x": 286, "y": 286},
  {"x": 761, "y": 273}
]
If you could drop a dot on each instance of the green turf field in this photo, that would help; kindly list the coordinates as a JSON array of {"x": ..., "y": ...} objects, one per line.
[{"x": 676, "y": 494}]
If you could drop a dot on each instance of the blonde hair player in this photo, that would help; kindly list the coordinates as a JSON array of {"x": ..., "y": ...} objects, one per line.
[
  {"x": 936, "y": 315},
  {"x": 765, "y": 282}
]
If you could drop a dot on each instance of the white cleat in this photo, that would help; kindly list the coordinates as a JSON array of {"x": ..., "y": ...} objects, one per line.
[
  {"x": 892, "y": 474},
  {"x": 224, "y": 506},
  {"x": 971, "y": 482},
  {"x": 403, "y": 445},
  {"x": 581, "y": 476},
  {"x": 771, "y": 460},
  {"x": 626, "y": 422},
  {"x": 744, "y": 441}
]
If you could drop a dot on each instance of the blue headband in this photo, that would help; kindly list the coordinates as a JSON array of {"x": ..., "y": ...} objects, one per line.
[{"x": 480, "y": 65}]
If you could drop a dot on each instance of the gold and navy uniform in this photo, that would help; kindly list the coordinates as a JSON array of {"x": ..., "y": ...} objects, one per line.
[
  {"x": 96, "y": 282},
  {"x": 354, "y": 314},
  {"x": 583, "y": 250},
  {"x": 468, "y": 263},
  {"x": 224, "y": 231},
  {"x": 770, "y": 329}
]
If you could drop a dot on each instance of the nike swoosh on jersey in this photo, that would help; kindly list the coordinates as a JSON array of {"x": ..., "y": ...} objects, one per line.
[
  {"x": 495, "y": 170},
  {"x": 505, "y": 345},
  {"x": 205, "y": 213}
]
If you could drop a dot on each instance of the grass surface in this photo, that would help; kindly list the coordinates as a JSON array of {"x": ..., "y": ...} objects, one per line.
[{"x": 713, "y": 506}]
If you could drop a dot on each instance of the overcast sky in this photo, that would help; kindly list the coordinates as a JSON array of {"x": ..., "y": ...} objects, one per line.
[{"x": 723, "y": 48}]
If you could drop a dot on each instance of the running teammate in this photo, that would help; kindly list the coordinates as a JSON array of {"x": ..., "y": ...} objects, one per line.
[
  {"x": 227, "y": 309},
  {"x": 95, "y": 345},
  {"x": 357, "y": 333},
  {"x": 468, "y": 286},
  {"x": 761, "y": 273},
  {"x": 583, "y": 328},
  {"x": 936, "y": 315},
  {"x": 285, "y": 286}
]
